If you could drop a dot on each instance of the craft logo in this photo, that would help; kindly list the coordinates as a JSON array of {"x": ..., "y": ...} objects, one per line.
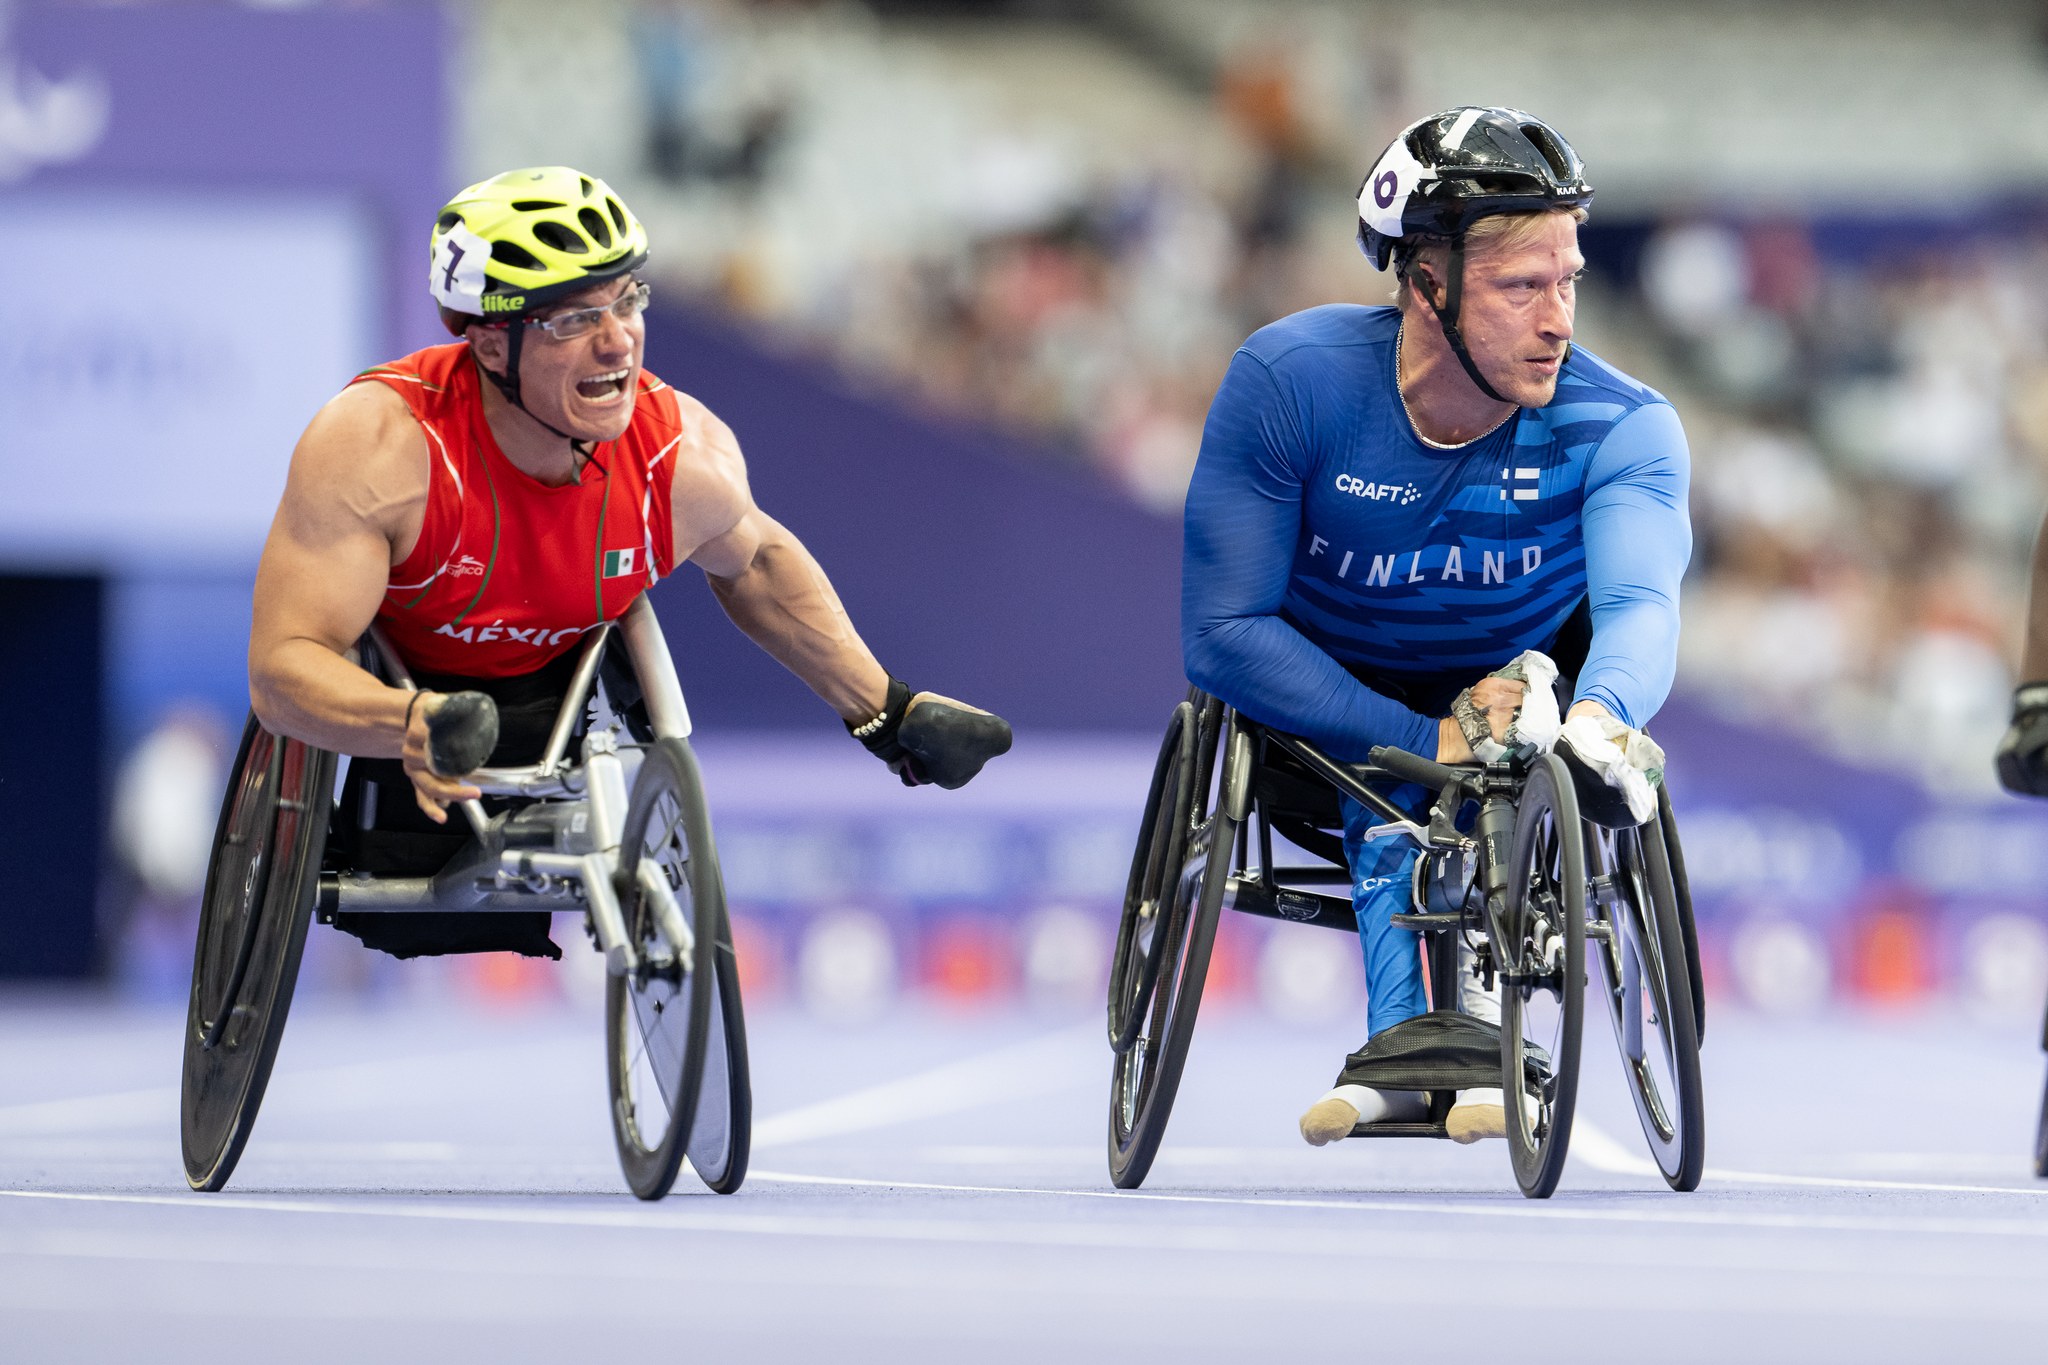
[{"x": 1399, "y": 493}]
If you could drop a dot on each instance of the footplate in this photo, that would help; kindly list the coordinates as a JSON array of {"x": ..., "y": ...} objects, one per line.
[{"x": 1401, "y": 1130}]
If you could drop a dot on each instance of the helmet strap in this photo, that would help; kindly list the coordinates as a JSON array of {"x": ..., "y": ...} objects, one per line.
[
  {"x": 1447, "y": 316},
  {"x": 508, "y": 384}
]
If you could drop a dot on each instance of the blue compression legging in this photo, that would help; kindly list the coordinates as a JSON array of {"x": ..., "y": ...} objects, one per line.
[{"x": 1382, "y": 873}]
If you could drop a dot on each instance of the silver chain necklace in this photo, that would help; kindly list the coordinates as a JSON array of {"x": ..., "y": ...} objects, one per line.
[{"x": 1400, "y": 339}]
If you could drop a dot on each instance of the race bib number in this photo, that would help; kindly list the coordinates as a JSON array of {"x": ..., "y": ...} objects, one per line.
[
  {"x": 456, "y": 275},
  {"x": 1384, "y": 196}
]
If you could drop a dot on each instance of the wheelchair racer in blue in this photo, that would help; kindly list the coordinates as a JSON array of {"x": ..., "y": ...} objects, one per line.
[{"x": 1391, "y": 503}]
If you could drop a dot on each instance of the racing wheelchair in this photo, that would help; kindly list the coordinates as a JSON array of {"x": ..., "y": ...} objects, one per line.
[
  {"x": 619, "y": 834},
  {"x": 1530, "y": 893}
]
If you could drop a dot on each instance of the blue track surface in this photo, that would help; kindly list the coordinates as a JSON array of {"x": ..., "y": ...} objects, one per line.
[{"x": 434, "y": 1184}]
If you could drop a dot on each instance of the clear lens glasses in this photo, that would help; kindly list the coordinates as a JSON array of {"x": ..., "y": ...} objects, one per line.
[{"x": 578, "y": 322}]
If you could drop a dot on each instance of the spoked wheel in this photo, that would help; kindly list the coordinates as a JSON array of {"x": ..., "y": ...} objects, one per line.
[
  {"x": 658, "y": 1015},
  {"x": 1543, "y": 986},
  {"x": 1155, "y": 876},
  {"x": 1649, "y": 994},
  {"x": 1145, "y": 1076},
  {"x": 260, "y": 886}
]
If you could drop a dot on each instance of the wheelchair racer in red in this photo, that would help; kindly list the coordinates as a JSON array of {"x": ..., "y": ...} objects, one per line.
[{"x": 489, "y": 501}]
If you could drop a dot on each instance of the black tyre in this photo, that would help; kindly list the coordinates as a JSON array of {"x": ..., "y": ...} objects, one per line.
[
  {"x": 1155, "y": 871},
  {"x": 2041, "y": 1138},
  {"x": 721, "y": 1134},
  {"x": 1649, "y": 995},
  {"x": 1542, "y": 948},
  {"x": 260, "y": 885},
  {"x": 1681, "y": 888},
  {"x": 1145, "y": 1076},
  {"x": 658, "y": 1016}
]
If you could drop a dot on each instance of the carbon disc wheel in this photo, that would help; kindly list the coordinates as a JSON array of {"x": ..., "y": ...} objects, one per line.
[{"x": 261, "y": 881}]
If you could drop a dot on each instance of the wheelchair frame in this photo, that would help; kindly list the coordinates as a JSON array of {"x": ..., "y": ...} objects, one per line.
[
  {"x": 548, "y": 857},
  {"x": 1271, "y": 781},
  {"x": 563, "y": 849}
]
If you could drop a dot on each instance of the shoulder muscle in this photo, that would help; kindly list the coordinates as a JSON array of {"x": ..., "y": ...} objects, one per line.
[{"x": 708, "y": 487}]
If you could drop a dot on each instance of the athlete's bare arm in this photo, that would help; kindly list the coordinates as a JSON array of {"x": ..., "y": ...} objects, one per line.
[
  {"x": 352, "y": 508},
  {"x": 762, "y": 575},
  {"x": 2034, "y": 652}
]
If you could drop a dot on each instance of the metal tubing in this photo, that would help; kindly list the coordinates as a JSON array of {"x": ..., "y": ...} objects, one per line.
[
  {"x": 528, "y": 781},
  {"x": 574, "y": 700},
  {"x": 605, "y": 778},
  {"x": 397, "y": 895},
  {"x": 1348, "y": 778},
  {"x": 655, "y": 668},
  {"x": 655, "y": 887},
  {"x": 605, "y": 917}
]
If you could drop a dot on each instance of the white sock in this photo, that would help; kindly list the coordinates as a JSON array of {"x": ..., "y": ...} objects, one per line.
[
  {"x": 1382, "y": 1106},
  {"x": 1494, "y": 1097},
  {"x": 1473, "y": 997}
]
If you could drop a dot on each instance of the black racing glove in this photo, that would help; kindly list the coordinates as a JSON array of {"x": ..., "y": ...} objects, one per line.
[
  {"x": 461, "y": 733},
  {"x": 941, "y": 742},
  {"x": 2023, "y": 753}
]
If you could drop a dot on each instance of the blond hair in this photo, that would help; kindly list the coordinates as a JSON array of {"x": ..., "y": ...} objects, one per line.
[{"x": 1495, "y": 232}]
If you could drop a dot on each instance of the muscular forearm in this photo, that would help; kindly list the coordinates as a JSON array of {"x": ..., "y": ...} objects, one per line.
[
  {"x": 305, "y": 690},
  {"x": 786, "y": 605}
]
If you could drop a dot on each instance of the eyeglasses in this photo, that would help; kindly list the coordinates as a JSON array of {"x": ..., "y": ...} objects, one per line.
[{"x": 581, "y": 321}]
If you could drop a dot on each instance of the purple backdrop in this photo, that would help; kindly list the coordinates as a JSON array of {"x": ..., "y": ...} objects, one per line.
[
  {"x": 209, "y": 97},
  {"x": 973, "y": 565}
]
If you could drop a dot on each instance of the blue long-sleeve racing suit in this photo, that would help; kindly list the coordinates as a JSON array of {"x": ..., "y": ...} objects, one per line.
[{"x": 1343, "y": 581}]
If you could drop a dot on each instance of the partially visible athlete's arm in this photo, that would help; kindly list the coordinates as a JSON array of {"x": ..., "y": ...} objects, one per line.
[
  {"x": 2034, "y": 654},
  {"x": 768, "y": 583},
  {"x": 352, "y": 507},
  {"x": 1243, "y": 522},
  {"x": 1638, "y": 540}
]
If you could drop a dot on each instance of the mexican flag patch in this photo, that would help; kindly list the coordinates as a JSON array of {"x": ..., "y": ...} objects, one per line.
[{"x": 619, "y": 563}]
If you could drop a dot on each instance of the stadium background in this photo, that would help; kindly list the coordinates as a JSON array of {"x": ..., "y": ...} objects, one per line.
[{"x": 963, "y": 278}]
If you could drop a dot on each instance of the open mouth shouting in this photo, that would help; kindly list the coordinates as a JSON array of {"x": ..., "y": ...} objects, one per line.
[{"x": 603, "y": 388}]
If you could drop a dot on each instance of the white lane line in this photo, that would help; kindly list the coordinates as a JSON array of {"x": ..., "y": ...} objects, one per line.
[
  {"x": 343, "y": 1086},
  {"x": 679, "y": 1216},
  {"x": 1543, "y": 1210},
  {"x": 1027, "y": 1070},
  {"x": 1603, "y": 1153}
]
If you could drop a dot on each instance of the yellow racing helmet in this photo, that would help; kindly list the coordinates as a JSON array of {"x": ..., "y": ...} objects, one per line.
[{"x": 519, "y": 241}]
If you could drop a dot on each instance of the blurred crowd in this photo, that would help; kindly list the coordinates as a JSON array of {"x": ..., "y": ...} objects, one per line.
[
  {"x": 1869, "y": 414},
  {"x": 1870, "y": 427}
]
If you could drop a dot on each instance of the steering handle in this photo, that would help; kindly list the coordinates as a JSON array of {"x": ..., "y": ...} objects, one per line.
[{"x": 1415, "y": 768}]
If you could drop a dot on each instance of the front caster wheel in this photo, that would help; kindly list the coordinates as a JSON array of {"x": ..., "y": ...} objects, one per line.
[{"x": 1543, "y": 951}]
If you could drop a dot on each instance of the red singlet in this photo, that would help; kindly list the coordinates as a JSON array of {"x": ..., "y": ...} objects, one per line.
[{"x": 509, "y": 572}]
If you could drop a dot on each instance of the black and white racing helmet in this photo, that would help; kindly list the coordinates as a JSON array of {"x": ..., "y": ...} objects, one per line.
[{"x": 1444, "y": 173}]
